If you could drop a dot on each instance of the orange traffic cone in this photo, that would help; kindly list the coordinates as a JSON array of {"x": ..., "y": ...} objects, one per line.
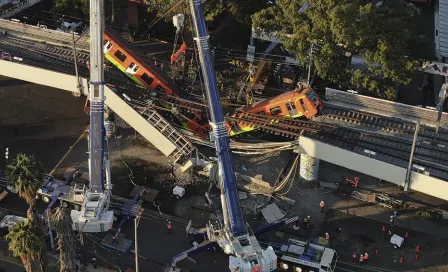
[
  {"x": 401, "y": 260},
  {"x": 417, "y": 248},
  {"x": 406, "y": 236},
  {"x": 416, "y": 256}
]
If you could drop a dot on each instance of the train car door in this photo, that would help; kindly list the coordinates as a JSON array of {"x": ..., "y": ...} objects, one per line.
[{"x": 292, "y": 109}]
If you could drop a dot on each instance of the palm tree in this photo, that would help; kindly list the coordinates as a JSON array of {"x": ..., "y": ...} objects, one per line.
[
  {"x": 25, "y": 174},
  {"x": 61, "y": 221},
  {"x": 26, "y": 240}
]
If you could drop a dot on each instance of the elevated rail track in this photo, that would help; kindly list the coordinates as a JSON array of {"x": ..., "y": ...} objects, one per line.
[
  {"x": 383, "y": 107},
  {"x": 393, "y": 125}
]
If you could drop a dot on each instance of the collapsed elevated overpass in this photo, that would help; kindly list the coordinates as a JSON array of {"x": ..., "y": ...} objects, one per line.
[
  {"x": 172, "y": 143},
  {"x": 150, "y": 124}
]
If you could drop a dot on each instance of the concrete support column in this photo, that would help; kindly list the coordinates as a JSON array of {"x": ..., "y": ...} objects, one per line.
[{"x": 309, "y": 167}]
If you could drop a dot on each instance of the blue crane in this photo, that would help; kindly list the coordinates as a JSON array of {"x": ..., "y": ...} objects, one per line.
[
  {"x": 246, "y": 254},
  {"x": 225, "y": 162}
]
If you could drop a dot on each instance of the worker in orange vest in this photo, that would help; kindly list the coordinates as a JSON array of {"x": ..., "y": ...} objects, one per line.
[
  {"x": 361, "y": 259},
  {"x": 366, "y": 257},
  {"x": 322, "y": 205},
  {"x": 169, "y": 227},
  {"x": 327, "y": 236}
]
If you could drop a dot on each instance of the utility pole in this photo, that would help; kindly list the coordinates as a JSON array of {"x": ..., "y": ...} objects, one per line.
[
  {"x": 411, "y": 158},
  {"x": 310, "y": 64},
  {"x": 76, "y": 66},
  {"x": 440, "y": 106},
  {"x": 49, "y": 228},
  {"x": 136, "y": 221},
  {"x": 112, "y": 18},
  {"x": 81, "y": 239}
]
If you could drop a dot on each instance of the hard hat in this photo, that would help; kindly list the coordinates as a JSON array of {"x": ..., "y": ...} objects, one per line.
[{"x": 326, "y": 233}]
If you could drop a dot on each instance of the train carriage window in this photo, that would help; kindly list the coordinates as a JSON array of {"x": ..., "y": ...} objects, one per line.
[
  {"x": 160, "y": 89},
  {"x": 305, "y": 109},
  {"x": 312, "y": 96},
  {"x": 261, "y": 113},
  {"x": 120, "y": 56},
  {"x": 147, "y": 79},
  {"x": 275, "y": 111}
]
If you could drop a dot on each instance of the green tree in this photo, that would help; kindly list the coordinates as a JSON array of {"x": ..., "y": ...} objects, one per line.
[
  {"x": 61, "y": 221},
  {"x": 75, "y": 8},
  {"x": 212, "y": 8},
  {"x": 241, "y": 10},
  {"x": 25, "y": 174},
  {"x": 26, "y": 240},
  {"x": 391, "y": 38}
]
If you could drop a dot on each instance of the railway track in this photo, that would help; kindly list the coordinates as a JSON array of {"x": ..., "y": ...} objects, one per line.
[
  {"x": 384, "y": 107},
  {"x": 390, "y": 149},
  {"x": 391, "y": 125}
]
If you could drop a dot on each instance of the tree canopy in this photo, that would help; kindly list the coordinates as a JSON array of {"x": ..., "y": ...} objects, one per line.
[
  {"x": 390, "y": 37},
  {"x": 25, "y": 174},
  {"x": 61, "y": 221},
  {"x": 26, "y": 240},
  {"x": 241, "y": 10},
  {"x": 75, "y": 8}
]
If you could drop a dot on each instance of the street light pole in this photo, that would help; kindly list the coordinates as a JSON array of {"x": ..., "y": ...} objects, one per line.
[
  {"x": 442, "y": 96},
  {"x": 310, "y": 64},
  {"x": 76, "y": 66},
  {"x": 50, "y": 231},
  {"x": 136, "y": 221},
  {"x": 81, "y": 238},
  {"x": 411, "y": 158}
]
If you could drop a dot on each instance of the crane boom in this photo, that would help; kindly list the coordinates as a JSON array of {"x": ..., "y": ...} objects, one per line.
[
  {"x": 94, "y": 215},
  {"x": 96, "y": 96},
  {"x": 227, "y": 172},
  {"x": 235, "y": 238}
]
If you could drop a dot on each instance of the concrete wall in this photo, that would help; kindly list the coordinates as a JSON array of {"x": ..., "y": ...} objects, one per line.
[
  {"x": 353, "y": 161},
  {"x": 429, "y": 185},
  {"x": 113, "y": 101}
]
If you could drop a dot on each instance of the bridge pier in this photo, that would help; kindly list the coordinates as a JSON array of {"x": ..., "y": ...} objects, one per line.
[{"x": 309, "y": 167}]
